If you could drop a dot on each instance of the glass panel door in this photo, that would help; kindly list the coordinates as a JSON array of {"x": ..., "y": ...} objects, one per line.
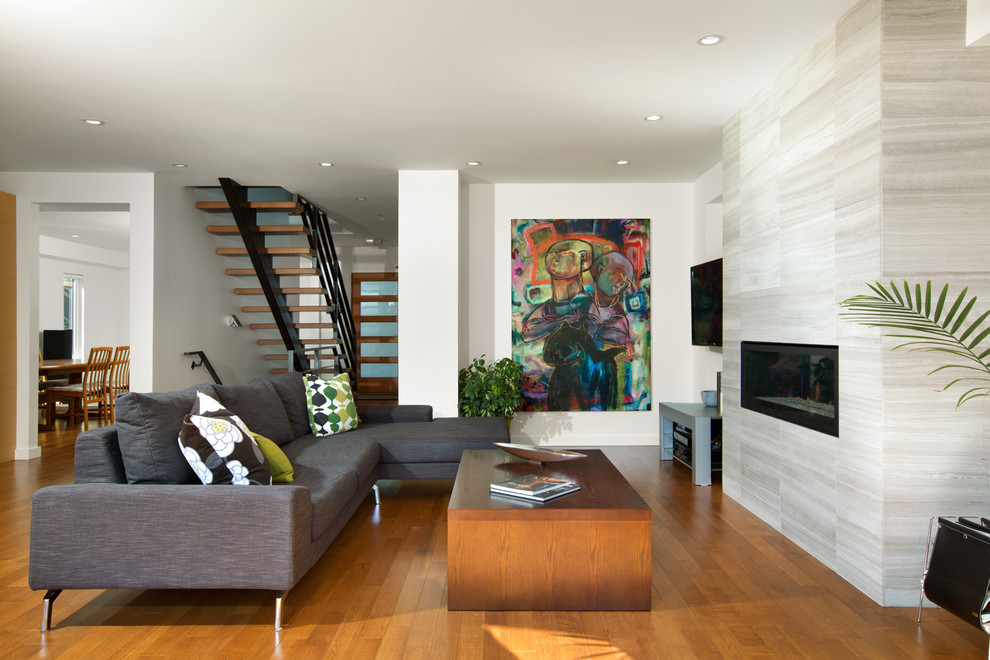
[{"x": 375, "y": 306}]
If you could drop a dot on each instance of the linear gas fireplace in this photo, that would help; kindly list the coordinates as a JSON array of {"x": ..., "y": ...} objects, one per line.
[{"x": 798, "y": 383}]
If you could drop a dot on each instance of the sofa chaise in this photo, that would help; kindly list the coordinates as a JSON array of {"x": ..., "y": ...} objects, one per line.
[{"x": 137, "y": 516}]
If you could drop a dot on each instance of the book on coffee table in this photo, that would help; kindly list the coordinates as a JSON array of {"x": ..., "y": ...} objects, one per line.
[
  {"x": 528, "y": 483},
  {"x": 542, "y": 496}
]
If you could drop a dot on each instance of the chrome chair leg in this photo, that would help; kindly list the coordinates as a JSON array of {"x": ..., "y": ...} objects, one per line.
[
  {"x": 279, "y": 596},
  {"x": 46, "y": 611},
  {"x": 928, "y": 550}
]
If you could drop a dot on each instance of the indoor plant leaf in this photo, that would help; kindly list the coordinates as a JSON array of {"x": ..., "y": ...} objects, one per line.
[
  {"x": 492, "y": 390},
  {"x": 927, "y": 331}
]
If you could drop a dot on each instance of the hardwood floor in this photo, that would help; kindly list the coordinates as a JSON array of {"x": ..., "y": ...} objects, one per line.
[{"x": 725, "y": 585}]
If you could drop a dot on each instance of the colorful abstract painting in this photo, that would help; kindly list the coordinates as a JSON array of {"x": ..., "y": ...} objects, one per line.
[{"x": 581, "y": 313}]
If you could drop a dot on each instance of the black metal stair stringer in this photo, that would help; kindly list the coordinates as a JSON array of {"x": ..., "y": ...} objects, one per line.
[
  {"x": 246, "y": 219},
  {"x": 331, "y": 278}
]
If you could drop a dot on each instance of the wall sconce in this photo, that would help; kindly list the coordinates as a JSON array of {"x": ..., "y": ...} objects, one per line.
[{"x": 233, "y": 321}]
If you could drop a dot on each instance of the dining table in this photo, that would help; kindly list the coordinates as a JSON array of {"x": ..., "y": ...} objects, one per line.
[{"x": 71, "y": 367}]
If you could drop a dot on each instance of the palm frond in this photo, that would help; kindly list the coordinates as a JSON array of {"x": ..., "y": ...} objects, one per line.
[{"x": 912, "y": 315}]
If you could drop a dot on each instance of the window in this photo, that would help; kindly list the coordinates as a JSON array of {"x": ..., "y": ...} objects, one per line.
[{"x": 72, "y": 303}]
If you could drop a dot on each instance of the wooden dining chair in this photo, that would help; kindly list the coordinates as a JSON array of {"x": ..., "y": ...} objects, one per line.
[
  {"x": 92, "y": 389},
  {"x": 118, "y": 378}
]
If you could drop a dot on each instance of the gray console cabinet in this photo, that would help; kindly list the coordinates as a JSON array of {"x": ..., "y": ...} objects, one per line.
[{"x": 697, "y": 418}]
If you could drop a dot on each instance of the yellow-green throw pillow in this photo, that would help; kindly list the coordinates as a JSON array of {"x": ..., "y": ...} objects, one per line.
[
  {"x": 331, "y": 405},
  {"x": 282, "y": 471}
]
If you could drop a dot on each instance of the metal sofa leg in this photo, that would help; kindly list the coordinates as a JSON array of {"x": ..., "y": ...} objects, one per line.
[
  {"x": 378, "y": 499},
  {"x": 46, "y": 611},
  {"x": 279, "y": 596}
]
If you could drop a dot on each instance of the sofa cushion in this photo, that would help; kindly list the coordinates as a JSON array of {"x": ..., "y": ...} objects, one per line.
[
  {"x": 358, "y": 451},
  {"x": 331, "y": 405},
  {"x": 219, "y": 447},
  {"x": 260, "y": 407},
  {"x": 391, "y": 412},
  {"x": 97, "y": 458},
  {"x": 439, "y": 441},
  {"x": 332, "y": 469},
  {"x": 292, "y": 390},
  {"x": 279, "y": 463},
  {"x": 147, "y": 426},
  {"x": 331, "y": 481}
]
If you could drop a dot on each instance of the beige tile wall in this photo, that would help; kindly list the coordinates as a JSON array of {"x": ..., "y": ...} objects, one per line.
[{"x": 867, "y": 158}]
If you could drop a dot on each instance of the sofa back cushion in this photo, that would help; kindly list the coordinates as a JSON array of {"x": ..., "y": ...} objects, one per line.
[
  {"x": 291, "y": 389},
  {"x": 148, "y": 426},
  {"x": 260, "y": 407},
  {"x": 97, "y": 459}
]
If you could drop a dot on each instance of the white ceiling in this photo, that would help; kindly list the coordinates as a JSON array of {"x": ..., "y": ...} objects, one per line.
[{"x": 537, "y": 90}]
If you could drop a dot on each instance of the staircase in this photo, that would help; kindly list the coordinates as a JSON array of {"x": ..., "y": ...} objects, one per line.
[{"x": 295, "y": 269}]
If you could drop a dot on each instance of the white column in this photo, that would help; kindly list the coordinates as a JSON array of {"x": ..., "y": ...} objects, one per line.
[{"x": 428, "y": 289}]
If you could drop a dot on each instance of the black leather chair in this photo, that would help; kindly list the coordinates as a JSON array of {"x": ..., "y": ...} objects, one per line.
[{"x": 957, "y": 577}]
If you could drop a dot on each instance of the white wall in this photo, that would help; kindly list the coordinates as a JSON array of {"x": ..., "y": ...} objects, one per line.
[
  {"x": 478, "y": 274},
  {"x": 978, "y": 23},
  {"x": 195, "y": 297},
  {"x": 106, "y": 290},
  {"x": 669, "y": 208},
  {"x": 33, "y": 189},
  {"x": 707, "y": 246},
  {"x": 428, "y": 289}
]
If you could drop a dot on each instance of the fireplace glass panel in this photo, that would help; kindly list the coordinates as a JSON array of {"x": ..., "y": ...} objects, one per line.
[{"x": 797, "y": 383}]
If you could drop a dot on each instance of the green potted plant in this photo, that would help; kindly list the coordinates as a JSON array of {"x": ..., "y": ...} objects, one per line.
[
  {"x": 490, "y": 390},
  {"x": 930, "y": 326}
]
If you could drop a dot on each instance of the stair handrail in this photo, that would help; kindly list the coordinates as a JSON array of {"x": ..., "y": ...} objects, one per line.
[
  {"x": 204, "y": 362},
  {"x": 246, "y": 219},
  {"x": 331, "y": 278}
]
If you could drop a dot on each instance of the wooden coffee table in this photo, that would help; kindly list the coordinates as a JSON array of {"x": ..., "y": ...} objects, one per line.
[{"x": 589, "y": 550}]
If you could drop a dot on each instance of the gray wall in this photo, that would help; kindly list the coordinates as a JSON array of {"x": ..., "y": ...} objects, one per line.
[{"x": 867, "y": 158}]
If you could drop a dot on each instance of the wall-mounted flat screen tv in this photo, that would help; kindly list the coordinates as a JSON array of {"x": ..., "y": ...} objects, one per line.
[
  {"x": 706, "y": 304},
  {"x": 798, "y": 383}
]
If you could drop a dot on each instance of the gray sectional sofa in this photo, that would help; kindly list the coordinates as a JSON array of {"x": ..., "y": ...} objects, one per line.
[{"x": 137, "y": 516}]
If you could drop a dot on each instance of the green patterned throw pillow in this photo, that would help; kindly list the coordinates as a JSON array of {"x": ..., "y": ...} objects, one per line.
[{"x": 331, "y": 405}]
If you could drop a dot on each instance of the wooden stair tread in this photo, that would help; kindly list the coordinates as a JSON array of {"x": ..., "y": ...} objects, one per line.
[
  {"x": 284, "y": 356},
  {"x": 261, "y": 207},
  {"x": 274, "y": 326},
  {"x": 322, "y": 370},
  {"x": 276, "y": 271},
  {"x": 240, "y": 251},
  {"x": 283, "y": 290},
  {"x": 232, "y": 230},
  {"x": 289, "y": 308},
  {"x": 304, "y": 342}
]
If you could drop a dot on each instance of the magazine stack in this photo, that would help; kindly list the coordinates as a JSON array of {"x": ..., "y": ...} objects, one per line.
[{"x": 534, "y": 487}]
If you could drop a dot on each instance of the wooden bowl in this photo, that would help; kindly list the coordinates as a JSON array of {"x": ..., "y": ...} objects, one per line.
[{"x": 539, "y": 454}]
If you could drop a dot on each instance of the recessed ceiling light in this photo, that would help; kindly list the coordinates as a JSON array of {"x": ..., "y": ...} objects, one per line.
[
  {"x": 326, "y": 164},
  {"x": 622, "y": 162},
  {"x": 94, "y": 122},
  {"x": 369, "y": 240},
  {"x": 360, "y": 199},
  {"x": 710, "y": 40},
  {"x": 653, "y": 117},
  {"x": 179, "y": 165},
  {"x": 75, "y": 235},
  {"x": 474, "y": 163}
]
